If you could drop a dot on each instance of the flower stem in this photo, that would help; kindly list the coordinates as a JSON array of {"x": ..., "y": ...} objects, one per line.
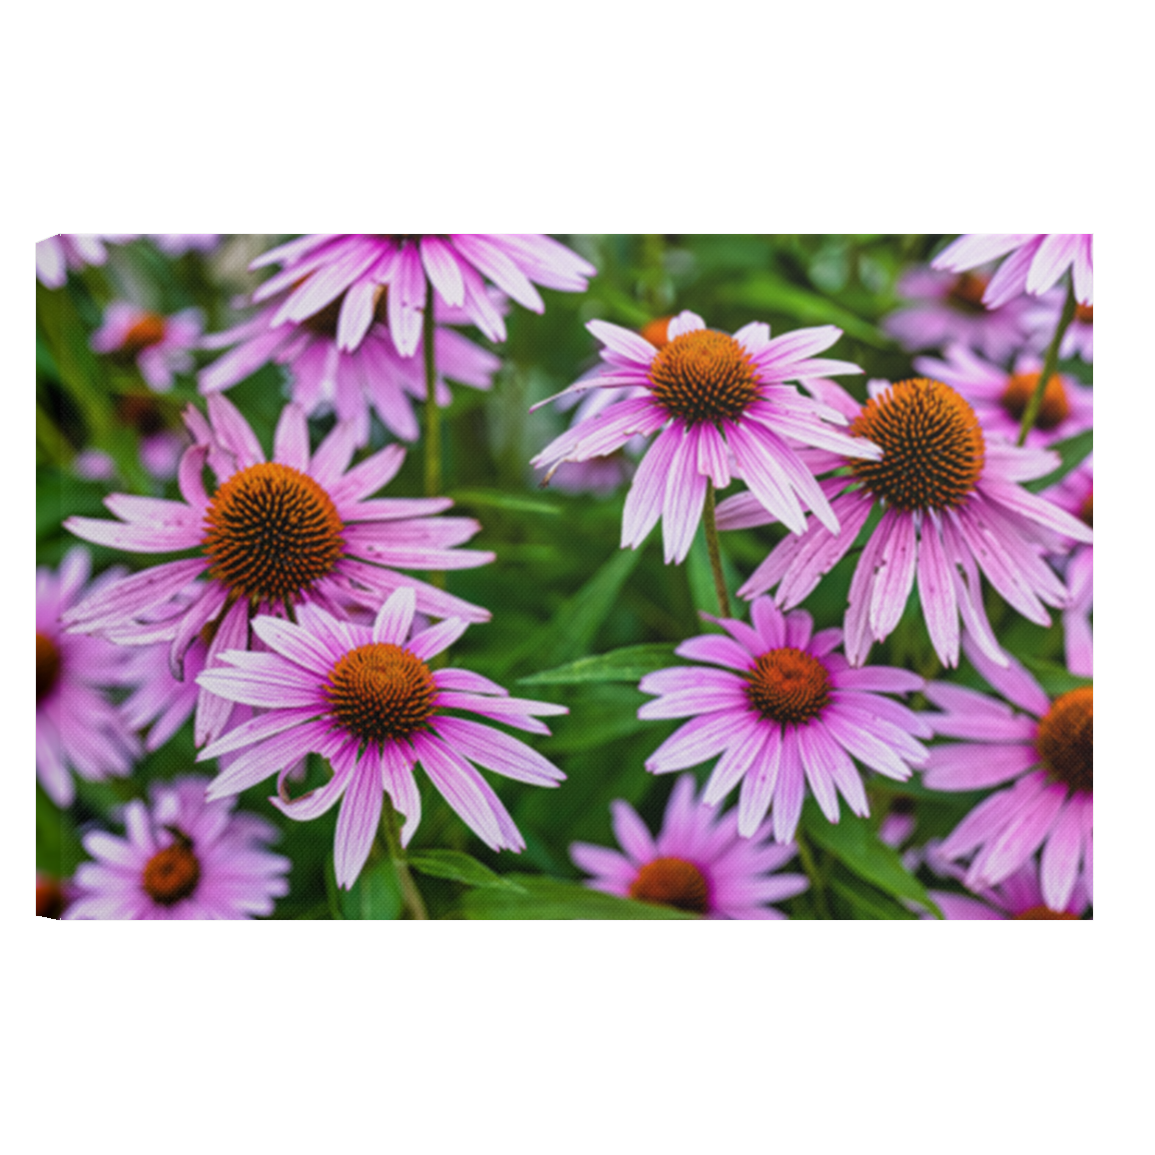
[
  {"x": 432, "y": 413},
  {"x": 715, "y": 553},
  {"x": 1050, "y": 361},
  {"x": 817, "y": 884},
  {"x": 410, "y": 895}
]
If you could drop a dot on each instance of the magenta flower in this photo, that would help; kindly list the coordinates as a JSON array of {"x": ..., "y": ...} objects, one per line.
[
  {"x": 355, "y": 270},
  {"x": 1036, "y": 262},
  {"x": 182, "y": 858},
  {"x": 999, "y": 398},
  {"x": 57, "y": 255},
  {"x": 946, "y": 309},
  {"x": 159, "y": 346},
  {"x": 785, "y": 710},
  {"x": 1042, "y": 319},
  {"x": 372, "y": 376},
  {"x": 77, "y": 727},
  {"x": 711, "y": 395},
  {"x": 1046, "y": 751},
  {"x": 952, "y": 505},
  {"x": 698, "y": 863},
  {"x": 1020, "y": 895},
  {"x": 366, "y": 699},
  {"x": 274, "y": 535}
]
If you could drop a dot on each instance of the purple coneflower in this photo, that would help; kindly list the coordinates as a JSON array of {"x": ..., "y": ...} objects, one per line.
[
  {"x": 77, "y": 727},
  {"x": 1036, "y": 262},
  {"x": 366, "y": 699},
  {"x": 273, "y": 536},
  {"x": 711, "y": 395},
  {"x": 946, "y": 308},
  {"x": 1020, "y": 895},
  {"x": 785, "y": 710},
  {"x": 181, "y": 858},
  {"x": 1047, "y": 752},
  {"x": 374, "y": 375},
  {"x": 159, "y": 346},
  {"x": 698, "y": 863},
  {"x": 57, "y": 255},
  {"x": 999, "y": 397},
  {"x": 952, "y": 505},
  {"x": 357, "y": 269}
]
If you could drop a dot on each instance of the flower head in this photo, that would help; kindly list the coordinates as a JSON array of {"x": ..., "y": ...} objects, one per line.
[
  {"x": 274, "y": 535},
  {"x": 367, "y": 699},
  {"x": 182, "y": 857},
  {"x": 1035, "y": 263},
  {"x": 373, "y": 376},
  {"x": 711, "y": 395},
  {"x": 56, "y": 255},
  {"x": 784, "y": 710},
  {"x": 945, "y": 309},
  {"x": 698, "y": 863},
  {"x": 77, "y": 726},
  {"x": 951, "y": 505},
  {"x": 357, "y": 269},
  {"x": 1046, "y": 751},
  {"x": 999, "y": 398},
  {"x": 159, "y": 346}
]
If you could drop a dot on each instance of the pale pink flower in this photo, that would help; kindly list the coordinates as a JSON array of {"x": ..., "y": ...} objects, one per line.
[
  {"x": 182, "y": 857},
  {"x": 709, "y": 395},
  {"x": 785, "y": 710},
  {"x": 367, "y": 699}
]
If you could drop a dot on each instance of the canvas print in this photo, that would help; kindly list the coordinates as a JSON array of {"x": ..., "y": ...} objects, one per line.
[{"x": 586, "y": 576}]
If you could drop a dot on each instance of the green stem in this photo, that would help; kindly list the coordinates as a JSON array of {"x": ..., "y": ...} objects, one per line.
[
  {"x": 1050, "y": 361},
  {"x": 817, "y": 885},
  {"x": 715, "y": 552},
  {"x": 409, "y": 892}
]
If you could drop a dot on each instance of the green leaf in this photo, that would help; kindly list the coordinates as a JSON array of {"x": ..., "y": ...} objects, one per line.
[
  {"x": 1072, "y": 452},
  {"x": 866, "y": 901},
  {"x": 766, "y": 291},
  {"x": 548, "y": 898},
  {"x": 628, "y": 664},
  {"x": 1055, "y": 679},
  {"x": 376, "y": 894},
  {"x": 578, "y": 619},
  {"x": 495, "y": 499},
  {"x": 459, "y": 867},
  {"x": 856, "y": 845},
  {"x": 58, "y": 849}
]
